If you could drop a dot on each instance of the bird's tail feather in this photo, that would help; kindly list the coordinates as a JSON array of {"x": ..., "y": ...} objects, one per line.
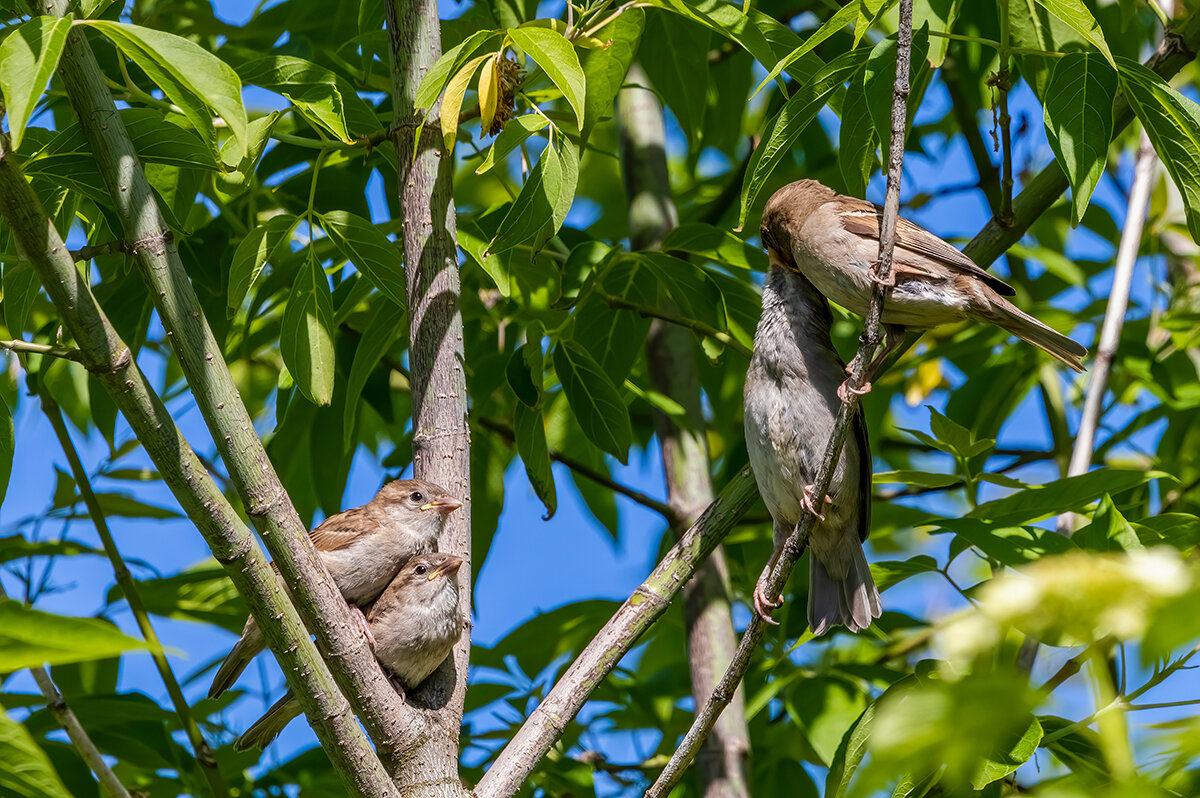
[
  {"x": 852, "y": 601},
  {"x": 268, "y": 727},
  {"x": 1008, "y": 316},
  {"x": 244, "y": 650}
]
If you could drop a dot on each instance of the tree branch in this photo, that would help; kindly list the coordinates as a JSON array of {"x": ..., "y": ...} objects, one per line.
[
  {"x": 441, "y": 436},
  {"x": 107, "y": 357},
  {"x": 707, "y": 717},
  {"x": 1114, "y": 319},
  {"x": 267, "y": 503},
  {"x": 204, "y": 756},
  {"x": 66, "y": 718},
  {"x": 548, "y": 721},
  {"x": 28, "y": 347}
]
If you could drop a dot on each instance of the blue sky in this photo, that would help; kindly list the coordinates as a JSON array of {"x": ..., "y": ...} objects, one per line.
[{"x": 533, "y": 565}]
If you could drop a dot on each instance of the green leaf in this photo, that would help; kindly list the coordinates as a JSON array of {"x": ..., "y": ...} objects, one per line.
[
  {"x": 844, "y": 16},
  {"x": 879, "y": 81},
  {"x": 514, "y": 134},
  {"x": 922, "y": 479},
  {"x": 1172, "y": 122},
  {"x": 21, "y": 286},
  {"x": 940, "y": 16},
  {"x": 524, "y": 372},
  {"x": 604, "y": 69},
  {"x": 203, "y": 594},
  {"x": 715, "y": 244},
  {"x": 1000, "y": 762},
  {"x": 30, "y": 637},
  {"x": 555, "y": 55},
  {"x": 7, "y": 447},
  {"x": 474, "y": 243},
  {"x": 1077, "y": 16},
  {"x": 306, "y": 337},
  {"x": 856, "y": 138},
  {"x": 1062, "y": 495},
  {"x": 190, "y": 76},
  {"x": 28, "y": 57},
  {"x": 27, "y": 773},
  {"x": 1180, "y": 530},
  {"x": 16, "y": 547},
  {"x": 594, "y": 399},
  {"x": 1008, "y": 545},
  {"x": 253, "y": 253},
  {"x": 677, "y": 66},
  {"x": 530, "y": 432},
  {"x": 314, "y": 90},
  {"x": 796, "y": 114},
  {"x": 1108, "y": 531},
  {"x": 448, "y": 66},
  {"x": 892, "y": 572},
  {"x": 541, "y": 207},
  {"x": 1078, "y": 118},
  {"x": 384, "y": 328},
  {"x": 853, "y": 747},
  {"x": 456, "y": 89},
  {"x": 1079, "y": 749},
  {"x": 361, "y": 243}
]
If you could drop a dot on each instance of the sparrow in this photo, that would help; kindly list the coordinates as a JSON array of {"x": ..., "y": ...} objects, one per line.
[
  {"x": 363, "y": 548},
  {"x": 412, "y": 628},
  {"x": 791, "y": 403},
  {"x": 833, "y": 240}
]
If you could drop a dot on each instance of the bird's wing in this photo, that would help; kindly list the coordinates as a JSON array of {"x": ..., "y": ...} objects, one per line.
[
  {"x": 341, "y": 530},
  {"x": 859, "y": 431},
  {"x": 863, "y": 218}
]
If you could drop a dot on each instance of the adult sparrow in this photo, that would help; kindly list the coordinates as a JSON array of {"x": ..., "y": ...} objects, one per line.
[
  {"x": 833, "y": 240},
  {"x": 363, "y": 548},
  {"x": 413, "y": 626},
  {"x": 791, "y": 403}
]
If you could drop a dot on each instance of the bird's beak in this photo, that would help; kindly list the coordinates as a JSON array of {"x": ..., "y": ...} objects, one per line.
[
  {"x": 448, "y": 568},
  {"x": 444, "y": 506}
]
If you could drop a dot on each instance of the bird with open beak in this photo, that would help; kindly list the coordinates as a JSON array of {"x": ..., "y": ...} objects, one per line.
[
  {"x": 412, "y": 628},
  {"x": 363, "y": 548},
  {"x": 833, "y": 240},
  {"x": 791, "y": 403}
]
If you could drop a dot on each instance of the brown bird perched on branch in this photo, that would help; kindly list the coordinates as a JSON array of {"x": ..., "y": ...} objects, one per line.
[
  {"x": 791, "y": 402},
  {"x": 833, "y": 240},
  {"x": 363, "y": 548},
  {"x": 412, "y": 628}
]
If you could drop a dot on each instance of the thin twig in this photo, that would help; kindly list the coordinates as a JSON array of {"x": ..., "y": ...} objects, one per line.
[
  {"x": 794, "y": 546},
  {"x": 204, "y": 756},
  {"x": 88, "y": 252},
  {"x": 698, "y": 327},
  {"x": 66, "y": 718},
  {"x": 584, "y": 470},
  {"x": 1114, "y": 318},
  {"x": 31, "y": 348},
  {"x": 1002, "y": 83}
]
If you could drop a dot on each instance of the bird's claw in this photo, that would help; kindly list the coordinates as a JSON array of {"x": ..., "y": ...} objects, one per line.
[
  {"x": 845, "y": 390},
  {"x": 808, "y": 504},
  {"x": 361, "y": 621},
  {"x": 763, "y": 606},
  {"x": 886, "y": 282}
]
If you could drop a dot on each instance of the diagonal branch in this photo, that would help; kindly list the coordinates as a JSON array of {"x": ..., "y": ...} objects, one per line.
[
  {"x": 794, "y": 547},
  {"x": 550, "y": 719},
  {"x": 204, "y": 755},
  {"x": 107, "y": 357},
  {"x": 317, "y": 598}
]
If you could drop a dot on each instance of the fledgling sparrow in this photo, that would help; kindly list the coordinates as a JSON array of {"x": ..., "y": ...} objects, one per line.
[
  {"x": 791, "y": 403},
  {"x": 412, "y": 628},
  {"x": 834, "y": 240},
  {"x": 363, "y": 548}
]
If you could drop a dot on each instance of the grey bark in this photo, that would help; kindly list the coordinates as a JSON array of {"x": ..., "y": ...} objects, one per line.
[{"x": 441, "y": 437}]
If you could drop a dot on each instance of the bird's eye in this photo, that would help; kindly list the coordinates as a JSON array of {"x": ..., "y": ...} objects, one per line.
[
  {"x": 416, "y": 496},
  {"x": 420, "y": 569}
]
